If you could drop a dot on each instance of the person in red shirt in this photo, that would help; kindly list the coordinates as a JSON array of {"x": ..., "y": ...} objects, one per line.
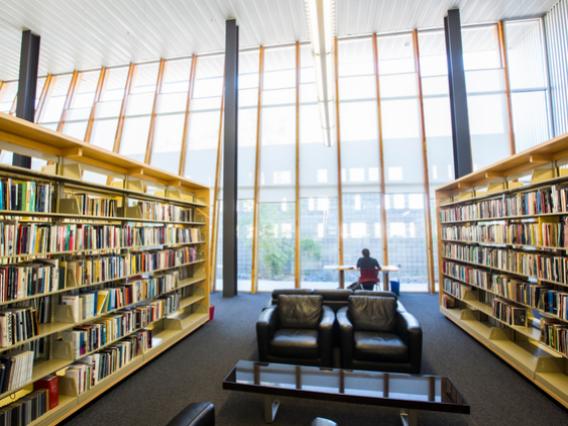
[{"x": 369, "y": 269}]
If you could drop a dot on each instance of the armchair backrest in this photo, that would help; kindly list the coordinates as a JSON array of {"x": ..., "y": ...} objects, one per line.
[
  {"x": 299, "y": 311},
  {"x": 373, "y": 313}
]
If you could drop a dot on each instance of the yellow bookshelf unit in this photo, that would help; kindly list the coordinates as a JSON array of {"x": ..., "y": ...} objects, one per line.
[
  {"x": 503, "y": 264},
  {"x": 98, "y": 276}
]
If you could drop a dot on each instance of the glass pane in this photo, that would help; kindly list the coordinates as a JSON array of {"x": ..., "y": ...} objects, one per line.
[
  {"x": 104, "y": 132},
  {"x": 202, "y": 147},
  {"x": 530, "y": 119},
  {"x": 525, "y": 54},
  {"x": 8, "y": 95},
  {"x": 56, "y": 99},
  {"x": 175, "y": 83},
  {"x": 142, "y": 91},
  {"x": 318, "y": 189},
  {"x": 135, "y": 137},
  {"x": 167, "y": 142}
]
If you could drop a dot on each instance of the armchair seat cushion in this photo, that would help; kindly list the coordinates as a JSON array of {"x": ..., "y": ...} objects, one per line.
[
  {"x": 379, "y": 346},
  {"x": 296, "y": 343}
]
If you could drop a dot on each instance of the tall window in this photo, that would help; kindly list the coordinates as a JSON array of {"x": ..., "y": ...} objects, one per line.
[
  {"x": 359, "y": 134},
  {"x": 318, "y": 187},
  {"x": 80, "y": 107},
  {"x": 403, "y": 159},
  {"x": 529, "y": 84},
  {"x": 108, "y": 108},
  {"x": 277, "y": 176},
  {"x": 171, "y": 104}
]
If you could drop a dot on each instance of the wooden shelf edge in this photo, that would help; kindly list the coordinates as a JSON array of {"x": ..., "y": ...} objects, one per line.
[
  {"x": 536, "y": 378},
  {"x": 63, "y": 411}
]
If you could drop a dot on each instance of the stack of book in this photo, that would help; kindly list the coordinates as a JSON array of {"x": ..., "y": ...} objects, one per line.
[
  {"x": 473, "y": 276},
  {"x": 92, "y": 270},
  {"x": 509, "y": 313},
  {"x": 554, "y": 334},
  {"x": 73, "y": 237},
  {"x": 23, "y": 238},
  {"x": 91, "y": 205},
  {"x": 28, "y": 196},
  {"x": 25, "y": 410},
  {"x": 18, "y": 325},
  {"x": 21, "y": 281},
  {"x": 15, "y": 370}
]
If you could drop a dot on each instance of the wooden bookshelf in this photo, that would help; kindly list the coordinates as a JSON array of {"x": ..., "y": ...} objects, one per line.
[
  {"x": 503, "y": 269},
  {"x": 146, "y": 231}
]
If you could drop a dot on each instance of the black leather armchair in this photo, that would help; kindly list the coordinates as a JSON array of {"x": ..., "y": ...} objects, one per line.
[
  {"x": 299, "y": 330},
  {"x": 375, "y": 335},
  {"x": 196, "y": 414}
]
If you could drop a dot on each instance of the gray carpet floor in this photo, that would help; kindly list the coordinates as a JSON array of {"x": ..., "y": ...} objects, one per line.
[{"x": 193, "y": 370}]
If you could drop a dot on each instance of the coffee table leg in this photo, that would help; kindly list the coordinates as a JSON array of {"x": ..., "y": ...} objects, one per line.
[
  {"x": 270, "y": 409},
  {"x": 409, "y": 417}
]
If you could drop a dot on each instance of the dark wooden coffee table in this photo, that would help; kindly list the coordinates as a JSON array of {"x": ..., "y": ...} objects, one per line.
[{"x": 407, "y": 392}]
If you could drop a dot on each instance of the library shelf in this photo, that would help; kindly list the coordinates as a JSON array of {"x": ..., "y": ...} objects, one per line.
[
  {"x": 527, "y": 192},
  {"x": 136, "y": 196}
]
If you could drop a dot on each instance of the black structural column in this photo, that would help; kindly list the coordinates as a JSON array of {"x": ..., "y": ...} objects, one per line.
[
  {"x": 230, "y": 159},
  {"x": 458, "y": 95},
  {"x": 25, "y": 106}
]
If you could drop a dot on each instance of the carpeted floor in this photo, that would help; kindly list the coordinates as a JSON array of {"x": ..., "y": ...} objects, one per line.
[{"x": 194, "y": 369}]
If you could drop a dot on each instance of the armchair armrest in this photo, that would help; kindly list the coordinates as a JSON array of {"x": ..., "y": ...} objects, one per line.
[
  {"x": 411, "y": 332},
  {"x": 265, "y": 327},
  {"x": 345, "y": 337},
  {"x": 326, "y": 336}
]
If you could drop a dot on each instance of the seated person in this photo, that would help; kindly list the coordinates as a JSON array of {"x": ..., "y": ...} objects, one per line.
[{"x": 369, "y": 269}]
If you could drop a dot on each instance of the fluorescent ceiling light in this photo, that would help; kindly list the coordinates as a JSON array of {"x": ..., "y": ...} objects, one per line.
[{"x": 321, "y": 21}]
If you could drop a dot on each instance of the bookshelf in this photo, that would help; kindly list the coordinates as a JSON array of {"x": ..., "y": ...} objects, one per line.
[
  {"x": 503, "y": 265},
  {"x": 96, "y": 279}
]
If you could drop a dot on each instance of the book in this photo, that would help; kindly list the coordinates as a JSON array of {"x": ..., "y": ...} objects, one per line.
[{"x": 51, "y": 385}]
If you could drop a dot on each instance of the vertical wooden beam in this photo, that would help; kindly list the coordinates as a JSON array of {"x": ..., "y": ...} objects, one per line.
[
  {"x": 43, "y": 97},
  {"x": 185, "y": 133},
  {"x": 425, "y": 172},
  {"x": 216, "y": 190},
  {"x": 382, "y": 184},
  {"x": 121, "y": 114},
  {"x": 297, "y": 248},
  {"x": 254, "y": 269},
  {"x": 338, "y": 141},
  {"x": 96, "y": 99},
  {"x": 152, "y": 128},
  {"x": 508, "y": 102},
  {"x": 68, "y": 99}
]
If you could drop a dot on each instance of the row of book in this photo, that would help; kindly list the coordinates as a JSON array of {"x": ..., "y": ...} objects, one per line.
[
  {"x": 25, "y": 410},
  {"x": 470, "y": 275},
  {"x": 90, "y": 371},
  {"x": 552, "y": 235},
  {"x": 17, "y": 325},
  {"x": 167, "y": 212},
  {"x": 89, "y": 304},
  {"x": 160, "y": 259},
  {"x": 96, "y": 269},
  {"x": 15, "y": 370},
  {"x": 545, "y": 200},
  {"x": 87, "y": 338},
  {"x": 454, "y": 288},
  {"x": 36, "y": 238},
  {"x": 509, "y": 313},
  {"x": 27, "y": 196},
  {"x": 93, "y": 205},
  {"x": 140, "y": 236},
  {"x": 555, "y": 335},
  {"x": 21, "y": 281},
  {"x": 550, "y": 268}
]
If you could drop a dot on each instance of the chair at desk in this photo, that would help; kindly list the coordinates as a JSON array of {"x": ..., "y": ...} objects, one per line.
[{"x": 369, "y": 278}]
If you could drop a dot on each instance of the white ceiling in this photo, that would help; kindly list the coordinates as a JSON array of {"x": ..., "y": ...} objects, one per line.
[{"x": 85, "y": 34}]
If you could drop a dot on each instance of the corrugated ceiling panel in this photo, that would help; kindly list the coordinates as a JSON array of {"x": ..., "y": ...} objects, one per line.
[
  {"x": 367, "y": 16},
  {"x": 84, "y": 34}
]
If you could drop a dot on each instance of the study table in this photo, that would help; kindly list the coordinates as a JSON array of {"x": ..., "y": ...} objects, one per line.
[{"x": 385, "y": 269}]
